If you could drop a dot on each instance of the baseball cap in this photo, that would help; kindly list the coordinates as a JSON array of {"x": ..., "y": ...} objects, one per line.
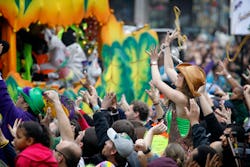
[{"x": 123, "y": 143}]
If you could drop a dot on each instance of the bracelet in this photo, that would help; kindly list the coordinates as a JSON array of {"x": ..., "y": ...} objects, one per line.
[
  {"x": 153, "y": 63},
  {"x": 229, "y": 76},
  {"x": 155, "y": 104},
  {"x": 96, "y": 108},
  {"x": 147, "y": 151}
]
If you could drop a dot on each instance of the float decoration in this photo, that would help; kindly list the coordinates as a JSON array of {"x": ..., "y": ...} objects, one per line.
[{"x": 125, "y": 63}]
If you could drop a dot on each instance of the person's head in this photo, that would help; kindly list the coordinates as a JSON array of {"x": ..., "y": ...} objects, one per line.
[
  {"x": 140, "y": 129},
  {"x": 194, "y": 77},
  {"x": 126, "y": 126},
  {"x": 31, "y": 99},
  {"x": 237, "y": 93},
  {"x": 88, "y": 141},
  {"x": 118, "y": 147},
  {"x": 234, "y": 131},
  {"x": 4, "y": 47},
  {"x": 176, "y": 152},
  {"x": 67, "y": 153},
  {"x": 138, "y": 111},
  {"x": 200, "y": 154},
  {"x": 217, "y": 146},
  {"x": 31, "y": 132}
]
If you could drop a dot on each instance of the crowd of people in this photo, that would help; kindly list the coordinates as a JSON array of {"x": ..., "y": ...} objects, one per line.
[{"x": 199, "y": 117}]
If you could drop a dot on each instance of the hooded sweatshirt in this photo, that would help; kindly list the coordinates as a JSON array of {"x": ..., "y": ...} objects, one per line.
[{"x": 36, "y": 155}]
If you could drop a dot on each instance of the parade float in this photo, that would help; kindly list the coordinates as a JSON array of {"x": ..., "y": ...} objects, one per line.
[{"x": 125, "y": 64}]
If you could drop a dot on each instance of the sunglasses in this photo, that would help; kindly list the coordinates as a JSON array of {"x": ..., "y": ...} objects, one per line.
[{"x": 66, "y": 158}]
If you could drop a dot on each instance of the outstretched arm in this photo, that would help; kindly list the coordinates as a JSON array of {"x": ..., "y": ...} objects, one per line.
[
  {"x": 170, "y": 93},
  {"x": 247, "y": 95},
  {"x": 168, "y": 61},
  {"x": 155, "y": 97},
  {"x": 233, "y": 82},
  {"x": 65, "y": 129}
]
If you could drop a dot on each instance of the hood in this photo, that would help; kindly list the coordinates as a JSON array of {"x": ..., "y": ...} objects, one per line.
[{"x": 39, "y": 153}]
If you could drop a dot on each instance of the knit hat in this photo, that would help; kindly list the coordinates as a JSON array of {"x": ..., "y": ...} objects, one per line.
[
  {"x": 123, "y": 143},
  {"x": 6, "y": 46},
  {"x": 194, "y": 76},
  {"x": 34, "y": 98},
  {"x": 163, "y": 162}
]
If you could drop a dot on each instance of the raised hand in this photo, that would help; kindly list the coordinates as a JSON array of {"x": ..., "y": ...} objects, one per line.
[
  {"x": 84, "y": 96},
  {"x": 171, "y": 36},
  {"x": 108, "y": 100},
  {"x": 223, "y": 68},
  {"x": 15, "y": 126},
  {"x": 247, "y": 76},
  {"x": 247, "y": 91},
  {"x": 193, "y": 113},
  {"x": 123, "y": 104},
  {"x": 159, "y": 128},
  {"x": 47, "y": 118},
  {"x": 140, "y": 145},
  {"x": 153, "y": 93},
  {"x": 214, "y": 161},
  {"x": 52, "y": 96},
  {"x": 154, "y": 54}
]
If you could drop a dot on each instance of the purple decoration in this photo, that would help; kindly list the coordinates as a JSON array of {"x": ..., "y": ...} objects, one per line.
[{"x": 26, "y": 90}]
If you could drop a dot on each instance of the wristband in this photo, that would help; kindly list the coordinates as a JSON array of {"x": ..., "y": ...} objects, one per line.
[
  {"x": 153, "y": 63},
  {"x": 155, "y": 104},
  {"x": 96, "y": 108},
  {"x": 229, "y": 76},
  {"x": 147, "y": 151}
]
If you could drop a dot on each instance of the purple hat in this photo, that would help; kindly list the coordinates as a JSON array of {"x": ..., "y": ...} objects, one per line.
[{"x": 163, "y": 162}]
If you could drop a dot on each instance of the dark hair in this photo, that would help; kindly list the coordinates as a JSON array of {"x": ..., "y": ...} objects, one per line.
[
  {"x": 38, "y": 132},
  {"x": 90, "y": 143},
  {"x": 75, "y": 123},
  {"x": 140, "y": 129},
  {"x": 185, "y": 89},
  {"x": 201, "y": 156},
  {"x": 142, "y": 108},
  {"x": 126, "y": 126},
  {"x": 238, "y": 131},
  {"x": 120, "y": 160}
]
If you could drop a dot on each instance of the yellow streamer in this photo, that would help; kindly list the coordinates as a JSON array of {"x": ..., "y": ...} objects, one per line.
[
  {"x": 238, "y": 49},
  {"x": 181, "y": 38}
]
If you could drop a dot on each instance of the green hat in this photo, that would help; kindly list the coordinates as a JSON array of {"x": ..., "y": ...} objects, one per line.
[{"x": 34, "y": 98}]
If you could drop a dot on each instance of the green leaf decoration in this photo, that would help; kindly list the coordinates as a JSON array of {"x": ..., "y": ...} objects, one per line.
[
  {"x": 26, "y": 5},
  {"x": 86, "y": 5},
  {"x": 28, "y": 61},
  {"x": 12, "y": 87},
  {"x": 126, "y": 68},
  {"x": 17, "y": 4},
  {"x": 70, "y": 94}
]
